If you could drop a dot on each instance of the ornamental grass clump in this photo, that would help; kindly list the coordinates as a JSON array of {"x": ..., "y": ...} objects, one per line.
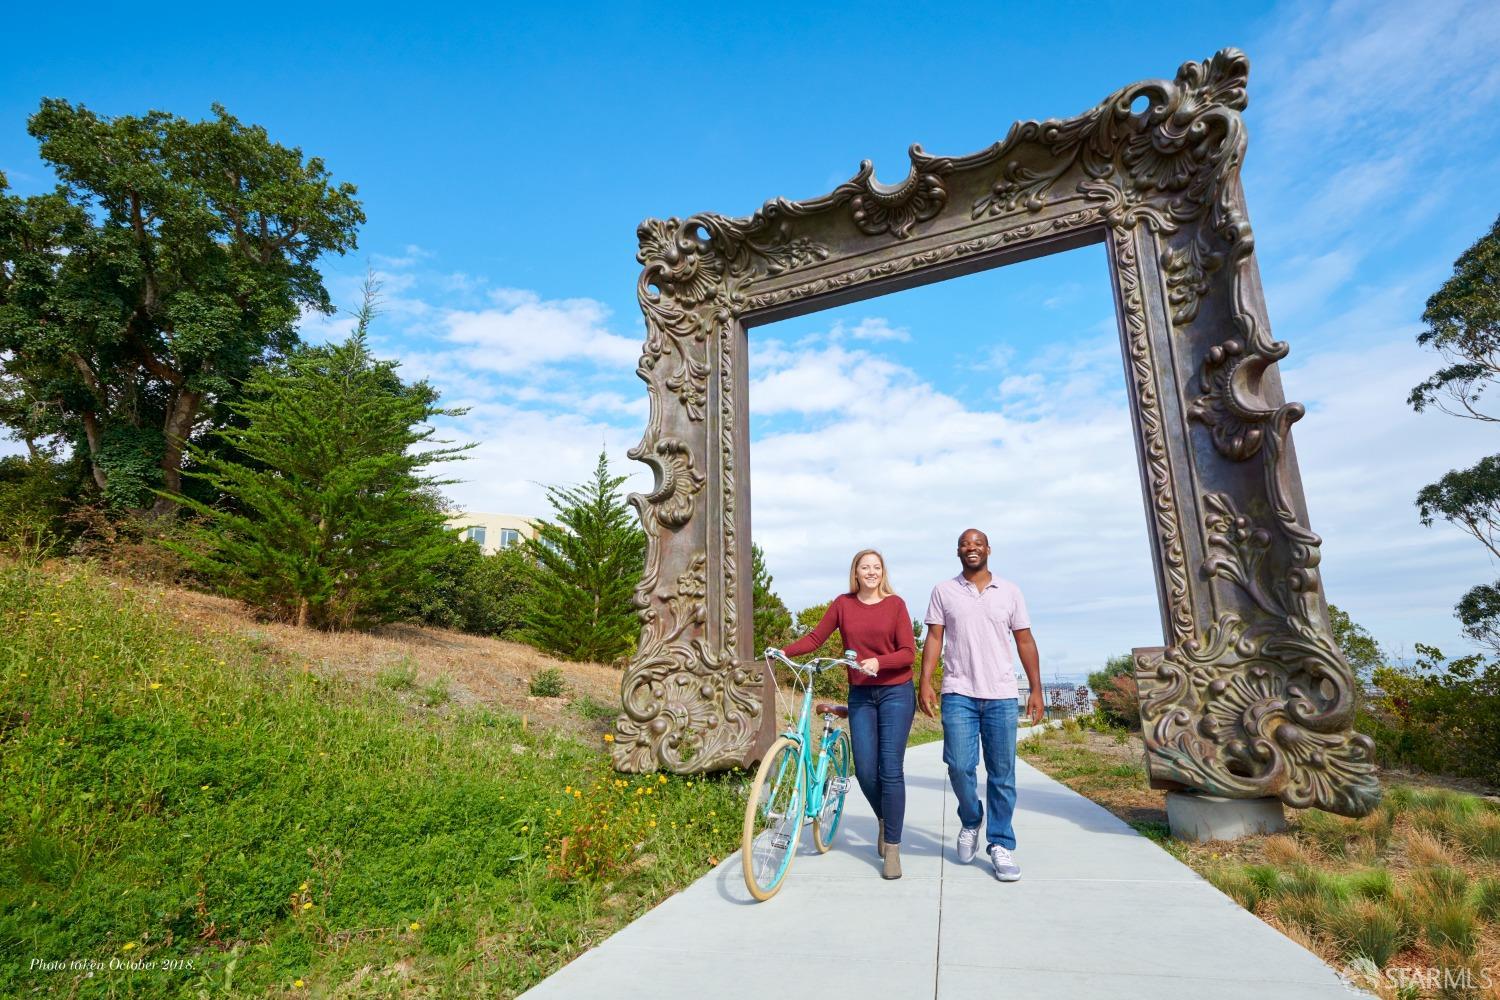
[{"x": 1363, "y": 928}]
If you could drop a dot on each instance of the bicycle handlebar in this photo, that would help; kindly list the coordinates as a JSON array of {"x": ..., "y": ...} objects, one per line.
[{"x": 818, "y": 664}]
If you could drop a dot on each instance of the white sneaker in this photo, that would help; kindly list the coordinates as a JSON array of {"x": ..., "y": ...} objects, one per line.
[
  {"x": 968, "y": 845},
  {"x": 1006, "y": 869}
]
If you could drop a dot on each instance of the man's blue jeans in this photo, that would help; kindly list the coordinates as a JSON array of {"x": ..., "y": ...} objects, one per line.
[
  {"x": 879, "y": 722},
  {"x": 968, "y": 722}
]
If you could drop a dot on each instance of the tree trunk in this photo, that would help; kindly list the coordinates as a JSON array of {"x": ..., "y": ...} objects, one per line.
[
  {"x": 91, "y": 431},
  {"x": 179, "y": 425}
]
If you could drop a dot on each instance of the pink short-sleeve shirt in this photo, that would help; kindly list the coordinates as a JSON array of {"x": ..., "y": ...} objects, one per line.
[{"x": 976, "y": 635}]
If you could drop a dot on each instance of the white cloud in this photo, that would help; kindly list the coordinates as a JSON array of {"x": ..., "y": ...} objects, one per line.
[
  {"x": 904, "y": 467},
  {"x": 522, "y": 450},
  {"x": 523, "y": 331},
  {"x": 1364, "y": 455},
  {"x": 1362, "y": 72},
  {"x": 412, "y": 255},
  {"x": 871, "y": 328}
]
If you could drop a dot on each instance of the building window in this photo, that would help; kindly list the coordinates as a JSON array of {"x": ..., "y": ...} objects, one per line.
[
  {"x": 475, "y": 535},
  {"x": 509, "y": 537}
]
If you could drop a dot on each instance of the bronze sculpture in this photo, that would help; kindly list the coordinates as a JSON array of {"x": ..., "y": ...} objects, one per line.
[{"x": 1248, "y": 696}]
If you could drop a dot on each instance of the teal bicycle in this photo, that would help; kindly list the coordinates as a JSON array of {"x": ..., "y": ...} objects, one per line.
[{"x": 799, "y": 779}]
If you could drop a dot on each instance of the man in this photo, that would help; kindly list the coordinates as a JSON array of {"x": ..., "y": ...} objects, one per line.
[{"x": 970, "y": 620}]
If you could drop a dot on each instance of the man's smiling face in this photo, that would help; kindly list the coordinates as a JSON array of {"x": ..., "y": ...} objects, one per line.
[{"x": 973, "y": 549}]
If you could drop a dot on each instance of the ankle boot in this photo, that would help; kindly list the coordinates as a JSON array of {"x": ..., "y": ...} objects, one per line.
[
  {"x": 880, "y": 838},
  {"x": 892, "y": 861}
]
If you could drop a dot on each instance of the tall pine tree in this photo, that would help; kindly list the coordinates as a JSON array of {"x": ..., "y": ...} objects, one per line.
[
  {"x": 588, "y": 562},
  {"x": 772, "y": 620},
  {"x": 326, "y": 519}
]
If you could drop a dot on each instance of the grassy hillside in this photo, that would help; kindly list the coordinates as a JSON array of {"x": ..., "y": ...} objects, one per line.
[{"x": 232, "y": 823}]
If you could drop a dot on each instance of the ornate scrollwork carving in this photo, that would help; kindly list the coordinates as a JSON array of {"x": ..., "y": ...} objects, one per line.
[
  {"x": 1261, "y": 707},
  {"x": 1163, "y": 165},
  {"x": 680, "y": 482},
  {"x": 878, "y": 209},
  {"x": 683, "y": 703},
  {"x": 1141, "y": 366}
]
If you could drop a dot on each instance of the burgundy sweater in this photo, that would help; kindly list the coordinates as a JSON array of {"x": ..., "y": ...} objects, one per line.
[{"x": 881, "y": 630}]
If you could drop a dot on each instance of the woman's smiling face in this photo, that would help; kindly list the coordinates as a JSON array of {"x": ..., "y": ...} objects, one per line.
[{"x": 870, "y": 571}]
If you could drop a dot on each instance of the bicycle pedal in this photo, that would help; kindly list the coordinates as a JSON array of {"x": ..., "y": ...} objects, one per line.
[
  {"x": 780, "y": 840},
  {"x": 838, "y": 786}
]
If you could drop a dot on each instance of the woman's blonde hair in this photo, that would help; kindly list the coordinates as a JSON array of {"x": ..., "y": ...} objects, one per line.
[{"x": 882, "y": 589}]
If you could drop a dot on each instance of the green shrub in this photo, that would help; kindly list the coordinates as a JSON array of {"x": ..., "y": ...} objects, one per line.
[
  {"x": 548, "y": 683},
  {"x": 1438, "y": 715},
  {"x": 477, "y": 593},
  {"x": 1117, "y": 698}
]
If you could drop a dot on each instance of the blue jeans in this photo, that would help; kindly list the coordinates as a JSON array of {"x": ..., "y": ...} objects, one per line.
[
  {"x": 968, "y": 722},
  {"x": 879, "y": 722}
]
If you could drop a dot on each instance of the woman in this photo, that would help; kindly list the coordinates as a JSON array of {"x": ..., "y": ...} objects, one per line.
[{"x": 874, "y": 622}]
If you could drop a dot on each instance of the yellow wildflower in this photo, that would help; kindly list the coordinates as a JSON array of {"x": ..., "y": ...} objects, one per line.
[
  {"x": 307, "y": 905},
  {"x": 155, "y": 685},
  {"x": 298, "y": 983},
  {"x": 609, "y": 737},
  {"x": 414, "y": 926},
  {"x": 661, "y": 779},
  {"x": 302, "y": 887},
  {"x": 128, "y": 945}
]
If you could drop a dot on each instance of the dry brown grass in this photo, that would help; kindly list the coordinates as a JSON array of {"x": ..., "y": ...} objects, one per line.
[
  {"x": 1285, "y": 852},
  {"x": 1421, "y": 848},
  {"x": 478, "y": 670},
  {"x": 1323, "y": 859}
]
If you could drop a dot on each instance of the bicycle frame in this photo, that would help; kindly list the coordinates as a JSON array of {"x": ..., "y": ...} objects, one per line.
[{"x": 814, "y": 774}]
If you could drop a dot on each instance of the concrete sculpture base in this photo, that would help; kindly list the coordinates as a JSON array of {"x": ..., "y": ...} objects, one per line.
[{"x": 1198, "y": 817}]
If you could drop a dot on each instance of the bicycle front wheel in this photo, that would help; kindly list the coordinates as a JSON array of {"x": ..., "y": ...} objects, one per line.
[
  {"x": 773, "y": 819},
  {"x": 835, "y": 787}
]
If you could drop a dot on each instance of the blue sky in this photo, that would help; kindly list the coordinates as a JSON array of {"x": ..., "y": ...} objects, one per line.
[{"x": 505, "y": 157}]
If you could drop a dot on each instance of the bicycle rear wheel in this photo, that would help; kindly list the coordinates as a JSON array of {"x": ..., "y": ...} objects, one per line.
[
  {"x": 835, "y": 787},
  {"x": 773, "y": 819}
]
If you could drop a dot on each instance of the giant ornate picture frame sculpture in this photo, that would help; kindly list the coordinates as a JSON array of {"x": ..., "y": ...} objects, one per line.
[{"x": 1249, "y": 696}]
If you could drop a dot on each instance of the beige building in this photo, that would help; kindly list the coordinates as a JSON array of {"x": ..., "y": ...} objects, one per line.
[{"x": 493, "y": 532}]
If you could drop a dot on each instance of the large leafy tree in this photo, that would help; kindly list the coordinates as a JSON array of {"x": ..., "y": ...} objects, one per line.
[
  {"x": 171, "y": 262},
  {"x": 1463, "y": 325},
  {"x": 327, "y": 518},
  {"x": 588, "y": 561}
]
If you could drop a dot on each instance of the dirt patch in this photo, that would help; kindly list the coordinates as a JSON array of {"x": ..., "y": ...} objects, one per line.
[
  {"x": 474, "y": 670},
  {"x": 1114, "y": 777}
]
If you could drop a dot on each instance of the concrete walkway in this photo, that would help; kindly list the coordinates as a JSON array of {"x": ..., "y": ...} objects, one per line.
[{"x": 1100, "y": 911}]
